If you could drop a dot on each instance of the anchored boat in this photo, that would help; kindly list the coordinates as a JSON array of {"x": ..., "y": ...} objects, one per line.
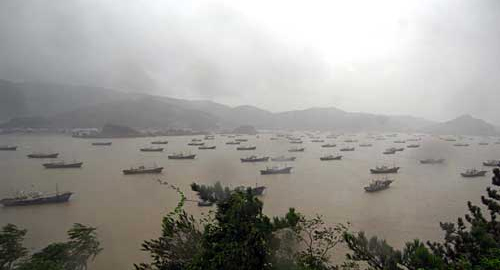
[
  {"x": 385, "y": 169},
  {"x": 283, "y": 158},
  {"x": 378, "y": 185},
  {"x": 276, "y": 170},
  {"x": 473, "y": 173},
  {"x": 181, "y": 156},
  {"x": 101, "y": 143},
  {"x": 330, "y": 157},
  {"x": 143, "y": 170},
  {"x": 207, "y": 147},
  {"x": 246, "y": 148},
  {"x": 34, "y": 198},
  {"x": 42, "y": 155},
  {"x": 62, "y": 165},
  {"x": 492, "y": 163},
  {"x": 152, "y": 149},
  {"x": 8, "y": 148},
  {"x": 254, "y": 158},
  {"x": 432, "y": 161}
]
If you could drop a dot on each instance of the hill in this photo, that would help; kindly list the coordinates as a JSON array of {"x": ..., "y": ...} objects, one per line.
[{"x": 463, "y": 125}]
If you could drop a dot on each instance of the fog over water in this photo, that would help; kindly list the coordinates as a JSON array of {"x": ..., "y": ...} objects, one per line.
[{"x": 434, "y": 59}]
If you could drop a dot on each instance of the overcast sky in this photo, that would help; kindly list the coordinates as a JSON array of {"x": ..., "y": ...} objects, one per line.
[{"x": 431, "y": 58}]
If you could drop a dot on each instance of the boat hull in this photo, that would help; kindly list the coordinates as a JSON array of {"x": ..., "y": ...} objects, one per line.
[
  {"x": 286, "y": 170},
  {"x": 43, "y": 156},
  {"x": 245, "y": 148},
  {"x": 330, "y": 158},
  {"x": 264, "y": 159},
  {"x": 479, "y": 174},
  {"x": 391, "y": 170},
  {"x": 60, "y": 198},
  {"x": 145, "y": 171},
  {"x": 182, "y": 157},
  {"x": 8, "y": 148},
  {"x": 152, "y": 150},
  {"x": 62, "y": 166},
  {"x": 102, "y": 144}
]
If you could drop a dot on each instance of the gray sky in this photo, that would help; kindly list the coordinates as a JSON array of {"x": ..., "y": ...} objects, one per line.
[{"x": 431, "y": 58}]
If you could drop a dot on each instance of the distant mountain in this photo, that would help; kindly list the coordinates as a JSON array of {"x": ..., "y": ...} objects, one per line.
[
  {"x": 463, "y": 125},
  {"x": 82, "y": 106}
]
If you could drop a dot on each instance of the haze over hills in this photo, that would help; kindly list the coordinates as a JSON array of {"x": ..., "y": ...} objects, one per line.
[{"x": 68, "y": 106}]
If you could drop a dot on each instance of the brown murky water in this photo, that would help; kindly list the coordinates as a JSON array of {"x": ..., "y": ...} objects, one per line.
[{"x": 128, "y": 209}]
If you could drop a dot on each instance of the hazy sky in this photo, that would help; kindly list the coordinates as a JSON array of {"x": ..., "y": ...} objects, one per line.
[{"x": 431, "y": 58}]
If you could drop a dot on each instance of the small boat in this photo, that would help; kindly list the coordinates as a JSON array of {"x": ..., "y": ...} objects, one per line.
[
  {"x": 276, "y": 170},
  {"x": 205, "y": 203},
  {"x": 378, "y": 185},
  {"x": 159, "y": 142},
  {"x": 432, "y": 161},
  {"x": 273, "y": 139},
  {"x": 317, "y": 141},
  {"x": 483, "y": 143},
  {"x": 232, "y": 143},
  {"x": 296, "y": 141},
  {"x": 399, "y": 141},
  {"x": 329, "y": 145},
  {"x": 399, "y": 149},
  {"x": 246, "y": 148},
  {"x": 380, "y": 139},
  {"x": 8, "y": 148},
  {"x": 473, "y": 173},
  {"x": 283, "y": 159},
  {"x": 34, "y": 198},
  {"x": 254, "y": 158},
  {"x": 385, "y": 169},
  {"x": 413, "y": 146},
  {"x": 346, "y": 149},
  {"x": 461, "y": 144},
  {"x": 450, "y": 140},
  {"x": 143, "y": 170},
  {"x": 365, "y": 145},
  {"x": 209, "y": 137},
  {"x": 390, "y": 151},
  {"x": 207, "y": 147},
  {"x": 414, "y": 140},
  {"x": 350, "y": 141},
  {"x": 296, "y": 149},
  {"x": 241, "y": 140},
  {"x": 196, "y": 140},
  {"x": 491, "y": 163},
  {"x": 196, "y": 143},
  {"x": 181, "y": 156},
  {"x": 62, "y": 165},
  {"x": 330, "y": 157},
  {"x": 151, "y": 149},
  {"x": 42, "y": 155},
  {"x": 101, "y": 143}
]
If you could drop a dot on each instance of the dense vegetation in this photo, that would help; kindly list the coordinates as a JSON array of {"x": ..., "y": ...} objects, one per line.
[{"x": 239, "y": 236}]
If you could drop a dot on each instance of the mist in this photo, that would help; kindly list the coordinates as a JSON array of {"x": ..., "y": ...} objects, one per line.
[{"x": 432, "y": 59}]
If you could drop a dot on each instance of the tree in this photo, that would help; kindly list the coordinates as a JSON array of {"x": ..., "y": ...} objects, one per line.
[{"x": 11, "y": 248}]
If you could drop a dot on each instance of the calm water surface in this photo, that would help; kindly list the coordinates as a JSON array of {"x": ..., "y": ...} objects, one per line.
[{"x": 128, "y": 209}]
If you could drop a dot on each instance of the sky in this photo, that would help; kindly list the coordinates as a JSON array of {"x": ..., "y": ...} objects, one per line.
[{"x": 436, "y": 59}]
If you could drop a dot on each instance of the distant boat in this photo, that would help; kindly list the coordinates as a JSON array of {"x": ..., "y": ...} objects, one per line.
[
  {"x": 196, "y": 140},
  {"x": 35, "y": 198},
  {"x": 317, "y": 141},
  {"x": 384, "y": 169},
  {"x": 101, "y": 143},
  {"x": 283, "y": 158},
  {"x": 8, "y": 148},
  {"x": 152, "y": 149},
  {"x": 143, "y": 170},
  {"x": 207, "y": 147},
  {"x": 159, "y": 142},
  {"x": 350, "y": 141},
  {"x": 254, "y": 158},
  {"x": 330, "y": 157},
  {"x": 492, "y": 163},
  {"x": 273, "y": 138},
  {"x": 181, "y": 156},
  {"x": 295, "y": 141},
  {"x": 399, "y": 141},
  {"x": 378, "y": 185},
  {"x": 365, "y": 145},
  {"x": 432, "y": 161},
  {"x": 246, "y": 148},
  {"x": 483, "y": 143},
  {"x": 241, "y": 140},
  {"x": 346, "y": 149},
  {"x": 196, "y": 143},
  {"x": 461, "y": 144},
  {"x": 473, "y": 173},
  {"x": 413, "y": 140},
  {"x": 209, "y": 137},
  {"x": 296, "y": 149},
  {"x": 232, "y": 143},
  {"x": 329, "y": 145},
  {"x": 413, "y": 146},
  {"x": 276, "y": 170},
  {"x": 390, "y": 151},
  {"x": 42, "y": 155},
  {"x": 62, "y": 165}
]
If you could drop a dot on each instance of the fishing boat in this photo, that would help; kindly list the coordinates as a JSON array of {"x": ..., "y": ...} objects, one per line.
[
  {"x": 273, "y": 139},
  {"x": 377, "y": 185},
  {"x": 347, "y": 149},
  {"x": 209, "y": 137},
  {"x": 473, "y": 173},
  {"x": 350, "y": 141},
  {"x": 152, "y": 149},
  {"x": 413, "y": 146},
  {"x": 43, "y": 155},
  {"x": 254, "y": 158},
  {"x": 181, "y": 156},
  {"x": 384, "y": 169},
  {"x": 241, "y": 140},
  {"x": 432, "y": 161},
  {"x": 461, "y": 144},
  {"x": 143, "y": 170},
  {"x": 390, "y": 151},
  {"x": 159, "y": 142},
  {"x": 399, "y": 141},
  {"x": 62, "y": 165},
  {"x": 246, "y": 148},
  {"x": 365, "y": 145},
  {"x": 196, "y": 140},
  {"x": 101, "y": 143},
  {"x": 296, "y": 141},
  {"x": 232, "y": 143},
  {"x": 317, "y": 141},
  {"x": 330, "y": 157},
  {"x": 276, "y": 170},
  {"x": 483, "y": 143},
  {"x": 283, "y": 158},
  {"x": 207, "y": 147},
  {"x": 296, "y": 149},
  {"x": 8, "y": 148},
  {"x": 329, "y": 145},
  {"x": 491, "y": 163},
  {"x": 196, "y": 143},
  {"x": 35, "y": 198},
  {"x": 399, "y": 149}
]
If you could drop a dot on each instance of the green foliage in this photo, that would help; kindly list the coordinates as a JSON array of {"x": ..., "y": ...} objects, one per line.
[{"x": 11, "y": 248}]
